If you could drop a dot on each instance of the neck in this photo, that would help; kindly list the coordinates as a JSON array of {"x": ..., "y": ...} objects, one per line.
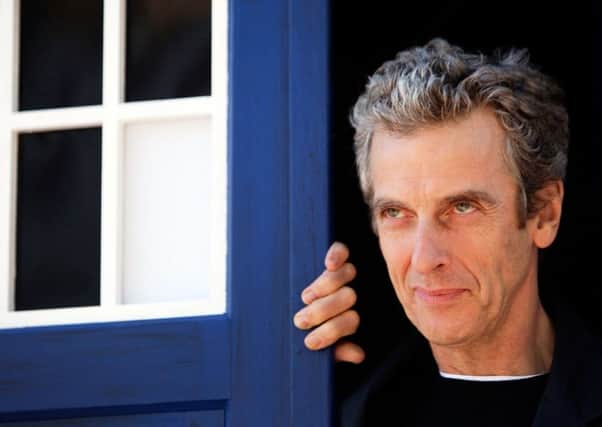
[{"x": 523, "y": 345}]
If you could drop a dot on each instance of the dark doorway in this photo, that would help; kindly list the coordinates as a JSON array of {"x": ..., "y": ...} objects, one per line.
[{"x": 564, "y": 42}]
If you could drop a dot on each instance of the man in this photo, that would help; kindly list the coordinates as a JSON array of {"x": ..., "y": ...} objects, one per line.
[{"x": 461, "y": 159}]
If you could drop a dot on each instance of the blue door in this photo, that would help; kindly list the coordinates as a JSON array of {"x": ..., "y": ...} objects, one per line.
[{"x": 247, "y": 367}]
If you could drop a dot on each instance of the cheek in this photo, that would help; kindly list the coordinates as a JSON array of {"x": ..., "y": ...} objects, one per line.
[
  {"x": 499, "y": 262},
  {"x": 517, "y": 261},
  {"x": 397, "y": 254},
  {"x": 478, "y": 266}
]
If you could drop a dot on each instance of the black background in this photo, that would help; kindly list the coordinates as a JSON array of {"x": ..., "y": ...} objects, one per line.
[{"x": 565, "y": 42}]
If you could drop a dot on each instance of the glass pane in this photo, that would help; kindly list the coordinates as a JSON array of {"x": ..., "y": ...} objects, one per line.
[
  {"x": 167, "y": 211},
  {"x": 58, "y": 219},
  {"x": 60, "y": 53},
  {"x": 168, "y": 49}
]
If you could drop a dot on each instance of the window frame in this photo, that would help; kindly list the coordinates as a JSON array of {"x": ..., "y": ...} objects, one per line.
[
  {"x": 111, "y": 116},
  {"x": 250, "y": 364}
]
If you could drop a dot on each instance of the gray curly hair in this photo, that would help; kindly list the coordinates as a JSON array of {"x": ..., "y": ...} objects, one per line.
[{"x": 439, "y": 82}]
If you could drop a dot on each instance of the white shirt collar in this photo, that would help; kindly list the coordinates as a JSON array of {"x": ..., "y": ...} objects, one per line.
[{"x": 488, "y": 377}]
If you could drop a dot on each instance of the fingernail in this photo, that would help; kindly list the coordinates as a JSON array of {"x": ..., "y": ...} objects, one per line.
[
  {"x": 333, "y": 258},
  {"x": 312, "y": 341},
  {"x": 308, "y": 296},
  {"x": 301, "y": 321}
]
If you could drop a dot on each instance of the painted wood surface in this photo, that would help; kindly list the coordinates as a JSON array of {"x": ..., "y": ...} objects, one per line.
[
  {"x": 177, "y": 419},
  {"x": 279, "y": 207},
  {"x": 250, "y": 364}
]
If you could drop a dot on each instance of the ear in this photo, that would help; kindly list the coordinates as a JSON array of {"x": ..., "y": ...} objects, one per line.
[{"x": 546, "y": 221}]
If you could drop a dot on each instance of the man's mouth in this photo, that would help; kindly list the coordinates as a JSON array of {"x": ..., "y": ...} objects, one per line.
[{"x": 438, "y": 296}]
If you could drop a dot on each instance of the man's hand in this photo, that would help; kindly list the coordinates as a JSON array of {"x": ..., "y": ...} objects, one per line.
[{"x": 328, "y": 307}]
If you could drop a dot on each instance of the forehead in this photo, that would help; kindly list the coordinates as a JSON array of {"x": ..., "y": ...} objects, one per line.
[{"x": 443, "y": 159}]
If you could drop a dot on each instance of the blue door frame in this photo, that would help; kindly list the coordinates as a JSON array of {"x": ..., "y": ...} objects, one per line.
[
  {"x": 248, "y": 367},
  {"x": 279, "y": 207}
]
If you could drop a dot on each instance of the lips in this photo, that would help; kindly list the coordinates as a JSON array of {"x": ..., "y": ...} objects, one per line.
[{"x": 439, "y": 296}]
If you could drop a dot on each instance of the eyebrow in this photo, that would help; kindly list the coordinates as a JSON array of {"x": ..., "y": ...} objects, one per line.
[
  {"x": 481, "y": 196},
  {"x": 381, "y": 202},
  {"x": 476, "y": 195}
]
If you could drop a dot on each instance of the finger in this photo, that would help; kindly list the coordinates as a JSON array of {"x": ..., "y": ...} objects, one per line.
[
  {"x": 336, "y": 256},
  {"x": 328, "y": 282},
  {"x": 349, "y": 352},
  {"x": 325, "y": 308},
  {"x": 331, "y": 331}
]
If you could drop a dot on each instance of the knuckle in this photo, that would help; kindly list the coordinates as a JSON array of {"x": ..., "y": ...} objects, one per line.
[
  {"x": 316, "y": 284},
  {"x": 354, "y": 320},
  {"x": 350, "y": 271},
  {"x": 348, "y": 296},
  {"x": 339, "y": 247},
  {"x": 330, "y": 281},
  {"x": 341, "y": 352},
  {"x": 343, "y": 275},
  {"x": 329, "y": 332},
  {"x": 319, "y": 287},
  {"x": 309, "y": 294},
  {"x": 336, "y": 255},
  {"x": 324, "y": 311}
]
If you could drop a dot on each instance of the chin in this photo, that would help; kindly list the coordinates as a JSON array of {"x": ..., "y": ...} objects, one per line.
[
  {"x": 446, "y": 339},
  {"x": 444, "y": 333}
]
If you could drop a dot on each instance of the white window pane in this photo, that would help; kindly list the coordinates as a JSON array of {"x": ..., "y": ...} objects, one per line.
[{"x": 167, "y": 224}]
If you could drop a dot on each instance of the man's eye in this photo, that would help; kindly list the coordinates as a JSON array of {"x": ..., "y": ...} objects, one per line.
[
  {"x": 463, "y": 208},
  {"x": 392, "y": 213}
]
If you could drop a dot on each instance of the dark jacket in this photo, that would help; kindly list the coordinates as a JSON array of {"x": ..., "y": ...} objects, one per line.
[{"x": 572, "y": 397}]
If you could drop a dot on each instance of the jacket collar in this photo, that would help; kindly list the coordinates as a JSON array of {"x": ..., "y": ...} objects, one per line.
[
  {"x": 377, "y": 400},
  {"x": 573, "y": 395}
]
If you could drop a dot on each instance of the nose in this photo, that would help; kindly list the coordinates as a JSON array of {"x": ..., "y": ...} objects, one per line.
[{"x": 430, "y": 251}]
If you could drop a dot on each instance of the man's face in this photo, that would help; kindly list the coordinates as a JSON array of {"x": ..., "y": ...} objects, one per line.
[{"x": 445, "y": 210}]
